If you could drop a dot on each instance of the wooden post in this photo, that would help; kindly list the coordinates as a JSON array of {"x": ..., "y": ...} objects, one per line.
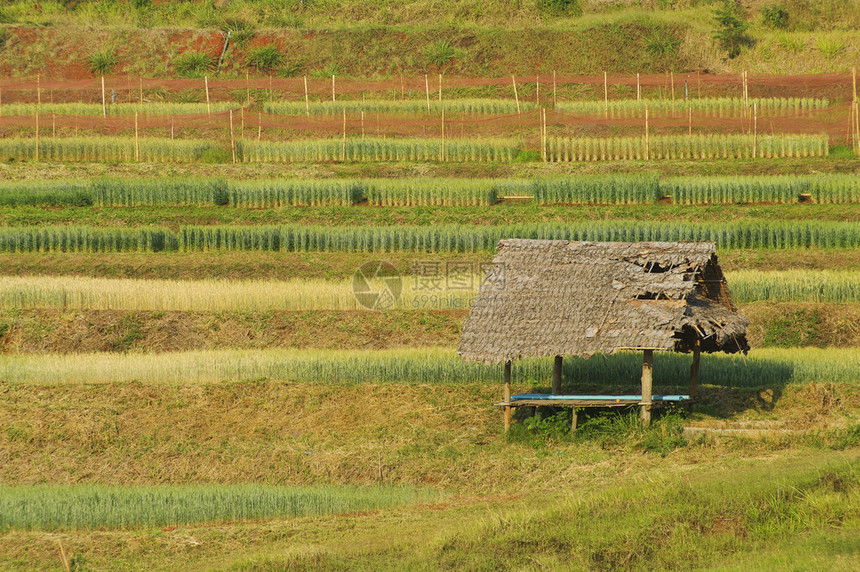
[
  {"x": 516, "y": 97},
  {"x": 343, "y": 148},
  {"x": 136, "y": 139},
  {"x": 553, "y": 90},
  {"x": 673, "y": 93},
  {"x": 332, "y": 87},
  {"x": 232, "y": 138},
  {"x": 37, "y": 134},
  {"x": 556, "y": 375},
  {"x": 507, "y": 397},
  {"x": 104, "y": 99},
  {"x": 307, "y": 99},
  {"x": 573, "y": 419},
  {"x": 647, "y": 372},
  {"x": 259, "y": 126},
  {"x": 427, "y": 91},
  {"x": 694, "y": 368},
  {"x": 208, "y": 104},
  {"x": 605, "y": 96}
]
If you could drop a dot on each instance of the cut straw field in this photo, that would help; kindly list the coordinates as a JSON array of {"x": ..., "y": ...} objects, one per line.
[
  {"x": 445, "y": 290},
  {"x": 761, "y": 368}
]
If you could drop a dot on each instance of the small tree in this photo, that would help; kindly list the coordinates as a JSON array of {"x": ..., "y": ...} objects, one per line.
[{"x": 732, "y": 27}]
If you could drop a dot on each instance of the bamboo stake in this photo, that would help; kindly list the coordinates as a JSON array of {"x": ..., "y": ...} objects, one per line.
[
  {"x": 208, "y": 104},
  {"x": 553, "y": 90},
  {"x": 307, "y": 99},
  {"x": 516, "y": 97},
  {"x": 440, "y": 88},
  {"x": 647, "y": 384},
  {"x": 232, "y": 139},
  {"x": 343, "y": 149},
  {"x": 39, "y": 89},
  {"x": 673, "y": 93},
  {"x": 537, "y": 90},
  {"x": 638, "y": 88},
  {"x": 37, "y": 135},
  {"x": 427, "y": 91},
  {"x": 605, "y": 96},
  {"x": 332, "y": 87},
  {"x": 259, "y": 126},
  {"x": 136, "y": 139},
  {"x": 104, "y": 99}
]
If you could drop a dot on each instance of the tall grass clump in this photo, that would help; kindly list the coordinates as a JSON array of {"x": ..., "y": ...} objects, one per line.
[
  {"x": 795, "y": 285},
  {"x": 376, "y": 149},
  {"x": 611, "y": 189},
  {"x": 75, "y": 149},
  {"x": 288, "y": 192},
  {"x": 144, "y": 109},
  {"x": 91, "y": 506},
  {"x": 45, "y": 193},
  {"x": 159, "y": 191},
  {"x": 712, "y": 146},
  {"x": 432, "y": 192},
  {"x": 824, "y": 188}
]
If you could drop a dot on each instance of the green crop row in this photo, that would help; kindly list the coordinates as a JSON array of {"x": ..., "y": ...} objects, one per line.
[
  {"x": 708, "y": 106},
  {"x": 762, "y": 368},
  {"x": 106, "y": 148},
  {"x": 443, "y": 238},
  {"x": 712, "y": 146},
  {"x": 377, "y": 149},
  {"x": 582, "y": 189},
  {"x": 113, "y": 109},
  {"x": 53, "y": 507},
  {"x": 473, "y": 106}
]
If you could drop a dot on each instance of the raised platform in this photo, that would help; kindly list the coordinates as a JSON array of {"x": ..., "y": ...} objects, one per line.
[{"x": 586, "y": 400}]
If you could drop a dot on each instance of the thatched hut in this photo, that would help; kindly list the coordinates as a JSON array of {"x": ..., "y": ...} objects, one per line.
[{"x": 561, "y": 298}]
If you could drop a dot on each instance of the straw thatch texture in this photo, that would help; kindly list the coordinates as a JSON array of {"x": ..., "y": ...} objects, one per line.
[{"x": 581, "y": 298}]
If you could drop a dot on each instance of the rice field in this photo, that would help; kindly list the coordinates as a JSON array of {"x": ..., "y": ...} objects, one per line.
[
  {"x": 436, "y": 238},
  {"x": 97, "y": 506},
  {"x": 706, "y": 106},
  {"x": 111, "y": 148},
  {"x": 688, "y": 147},
  {"x": 377, "y": 149},
  {"x": 439, "y": 366},
  {"x": 72, "y": 292},
  {"x": 403, "y": 106}
]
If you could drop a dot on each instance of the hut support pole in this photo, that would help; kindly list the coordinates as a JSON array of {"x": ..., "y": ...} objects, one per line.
[
  {"x": 694, "y": 369},
  {"x": 556, "y": 375},
  {"x": 647, "y": 370},
  {"x": 507, "y": 395}
]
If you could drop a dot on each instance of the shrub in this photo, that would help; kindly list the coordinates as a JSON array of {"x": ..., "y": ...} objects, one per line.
[
  {"x": 731, "y": 28},
  {"x": 101, "y": 63},
  {"x": 560, "y": 7},
  {"x": 265, "y": 57},
  {"x": 193, "y": 64},
  {"x": 775, "y": 16},
  {"x": 664, "y": 44},
  {"x": 440, "y": 54}
]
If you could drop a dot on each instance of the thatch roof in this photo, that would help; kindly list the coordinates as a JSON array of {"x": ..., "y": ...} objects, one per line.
[{"x": 581, "y": 298}]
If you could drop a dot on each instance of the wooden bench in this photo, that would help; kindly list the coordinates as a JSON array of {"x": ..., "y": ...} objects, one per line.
[{"x": 581, "y": 401}]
